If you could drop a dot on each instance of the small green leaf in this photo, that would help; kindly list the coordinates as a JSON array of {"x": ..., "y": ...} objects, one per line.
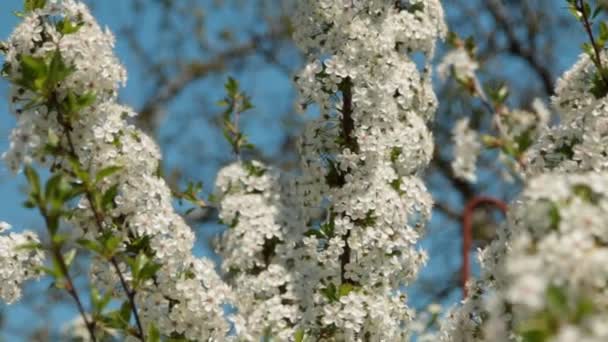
[
  {"x": 48, "y": 271},
  {"x": 33, "y": 180},
  {"x": 34, "y": 73},
  {"x": 149, "y": 270},
  {"x": 153, "y": 333},
  {"x": 33, "y": 246},
  {"x": 107, "y": 172},
  {"x": 90, "y": 245},
  {"x": 299, "y": 336},
  {"x": 232, "y": 87},
  {"x": 345, "y": 290},
  {"x": 125, "y": 313},
  {"x": 395, "y": 153},
  {"x": 58, "y": 70},
  {"x": 107, "y": 201},
  {"x": 603, "y": 32},
  {"x": 534, "y": 336},
  {"x": 330, "y": 292},
  {"x": 69, "y": 256},
  {"x": 557, "y": 301},
  {"x": 31, "y": 5},
  {"x": 110, "y": 244},
  {"x": 596, "y": 12},
  {"x": 66, "y": 26}
]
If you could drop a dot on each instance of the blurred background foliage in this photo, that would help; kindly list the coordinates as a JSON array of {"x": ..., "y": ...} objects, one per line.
[{"x": 179, "y": 54}]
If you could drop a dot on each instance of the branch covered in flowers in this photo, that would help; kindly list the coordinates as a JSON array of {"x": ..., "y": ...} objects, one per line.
[
  {"x": 104, "y": 184},
  {"x": 542, "y": 278}
]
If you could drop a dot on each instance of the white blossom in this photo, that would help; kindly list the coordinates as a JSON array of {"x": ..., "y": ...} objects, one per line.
[
  {"x": 458, "y": 62},
  {"x": 19, "y": 262},
  {"x": 466, "y": 150}
]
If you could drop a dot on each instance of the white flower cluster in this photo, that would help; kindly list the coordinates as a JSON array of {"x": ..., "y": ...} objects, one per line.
[
  {"x": 458, "y": 63},
  {"x": 185, "y": 296},
  {"x": 544, "y": 277},
  {"x": 364, "y": 202},
  {"x": 18, "y": 264},
  {"x": 254, "y": 204},
  {"x": 466, "y": 150},
  {"x": 555, "y": 271},
  {"x": 578, "y": 143}
]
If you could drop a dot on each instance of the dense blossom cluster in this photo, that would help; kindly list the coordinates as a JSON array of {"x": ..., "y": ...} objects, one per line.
[
  {"x": 544, "y": 276},
  {"x": 255, "y": 204},
  {"x": 18, "y": 264},
  {"x": 185, "y": 296},
  {"x": 361, "y": 160}
]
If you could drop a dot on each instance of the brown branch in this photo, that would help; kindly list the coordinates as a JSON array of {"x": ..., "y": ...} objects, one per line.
[
  {"x": 348, "y": 125},
  {"x": 517, "y": 48},
  {"x": 467, "y": 233}
]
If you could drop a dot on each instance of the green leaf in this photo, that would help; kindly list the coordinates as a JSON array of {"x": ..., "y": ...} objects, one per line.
[
  {"x": 345, "y": 290},
  {"x": 149, "y": 270},
  {"x": 69, "y": 256},
  {"x": 99, "y": 303},
  {"x": 125, "y": 313},
  {"x": 299, "y": 336},
  {"x": 597, "y": 11},
  {"x": 6, "y": 69},
  {"x": 107, "y": 172},
  {"x": 232, "y": 87},
  {"x": 585, "y": 193},
  {"x": 584, "y": 307},
  {"x": 534, "y": 336},
  {"x": 33, "y": 180},
  {"x": 52, "y": 186},
  {"x": 330, "y": 292},
  {"x": 557, "y": 302},
  {"x": 253, "y": 170},
  {"x": 107, "y": 201},
  {"x": 58, "y": 70},
  {"x": 31, "y": 5},
  {"x": 81, "y": 174},
  {"x": 32, "y": 246},
  {"x": 599, "y": 86},
  {"x": 66, "y": 26},
  {"x": 554, "y": 216},
  {"x": 73, "y": 103},
  {"x": 395, "y": 153},
  {"x": 138, "y": 264},
  {"x": 110, "y": 244},
  {"x": 603, "y": 33},
  {"x": 49, "y": 271},
  {"x": 153, "y": 333},
  {"x": 86, "y": 100},
  {"x": 90, "y": 245},
  {"x": 34, "y": 73}
]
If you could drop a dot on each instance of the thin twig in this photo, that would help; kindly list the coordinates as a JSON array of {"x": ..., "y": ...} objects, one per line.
[
  {"x": 99, "y": 222},
  {"x": 69, "y": 285},
  {"x": 348, "y": 125},
  {"x": 587, "y": 25}
]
